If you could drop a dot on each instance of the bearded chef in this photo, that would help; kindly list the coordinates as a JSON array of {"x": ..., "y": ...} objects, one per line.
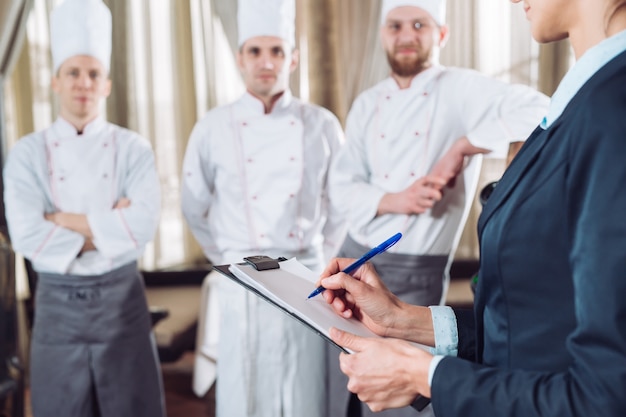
[
  {"x": 402, "y": 169},
  {"x": 256, "y": 183},
  {"x": 82, "y": 200}
]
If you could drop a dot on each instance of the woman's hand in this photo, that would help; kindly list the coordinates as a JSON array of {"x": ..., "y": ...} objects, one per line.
[{"x": 384, "y": 373}]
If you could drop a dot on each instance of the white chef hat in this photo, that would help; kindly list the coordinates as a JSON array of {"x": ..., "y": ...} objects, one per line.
[
  {"x": 80, "y": 27},
  {"x": 436, "y": 8},
  {"x": 266, "y": 18}
]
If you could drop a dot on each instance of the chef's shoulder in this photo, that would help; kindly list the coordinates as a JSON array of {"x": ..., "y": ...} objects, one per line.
[
  {"x": 28, "y": 148},
  {"x": 214, "y": 119},
  {"x": 477, "y": 86},
  {"x": 130, "y": 139},
  {"x": 318, "y": 114},
  {"x": 365, "y": 102}
]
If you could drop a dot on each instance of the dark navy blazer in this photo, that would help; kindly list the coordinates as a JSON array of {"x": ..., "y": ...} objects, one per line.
[{"x": 548, "y": 333}]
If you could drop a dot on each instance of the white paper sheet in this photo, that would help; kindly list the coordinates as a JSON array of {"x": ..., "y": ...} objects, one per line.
[{"x": 289, "y": 287}]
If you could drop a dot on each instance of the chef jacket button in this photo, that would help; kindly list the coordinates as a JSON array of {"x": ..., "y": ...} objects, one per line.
[
  {"x": 56, "y": 144},
  {"x": 105, "y": 175},
  {"x": 292, "y": 123},
  {"x": 292, "y": 195},
  {"x": 417, "y": 133},
  {"x": 105, "y": 144},
  {"x": 412, "y": 174},
  {"x": 61, "y": 178},
  {"x": 254, "y": 197},
  {"x": 291, "y": 235},
  {"x": 382, "y": 136},
  {"x": 388, "y": 97},
  {"x": 250, "y": 160},
  {"x": 386, "y": 176},
  {"x": 425, "y": 93},
  {"x": 262, "y": 235},
  {"x": 189, "y": 174},
  {"x": 292, "y": 158},
  {"x": 244, "y": 124}
]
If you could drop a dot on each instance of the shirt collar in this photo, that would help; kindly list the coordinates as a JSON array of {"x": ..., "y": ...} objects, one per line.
[
  {"x": 419, "y": 81},
  {"x": 256, "y": 106},
  {"x": 66, "y": 130},
  {"x": 588, "y": 64}
]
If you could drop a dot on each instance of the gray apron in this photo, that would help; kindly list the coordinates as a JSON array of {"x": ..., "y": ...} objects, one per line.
[
  {"x": 415, "y": 279},
  {"x": 92, "y": 350}
]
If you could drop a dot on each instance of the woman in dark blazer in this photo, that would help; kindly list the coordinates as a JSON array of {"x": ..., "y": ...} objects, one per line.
[{"x": 547, "y": 336}]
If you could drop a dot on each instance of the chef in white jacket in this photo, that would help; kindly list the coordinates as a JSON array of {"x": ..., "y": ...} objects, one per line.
[
  {"x": 401, "y": 170},
  {"x": 255, "y": 183},
  {"x": 82, "y": 200}
]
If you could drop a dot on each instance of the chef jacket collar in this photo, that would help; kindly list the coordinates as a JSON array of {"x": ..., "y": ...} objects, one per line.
[
  {"x": 66, "y": 130},
  {"x": 255, "y": 107},
  {"x": 419, "y": 82}
]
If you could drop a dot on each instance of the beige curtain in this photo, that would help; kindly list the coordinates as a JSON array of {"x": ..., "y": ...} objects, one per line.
[
  {"x": 175, "y": 59},
  {"x": 13, "y": 16}
]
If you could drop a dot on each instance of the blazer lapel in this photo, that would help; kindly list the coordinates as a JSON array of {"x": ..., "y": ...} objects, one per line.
[{"x": 525, "y": 158}]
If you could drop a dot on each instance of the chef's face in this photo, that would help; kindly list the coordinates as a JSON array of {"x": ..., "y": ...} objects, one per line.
[
  {"x": 411, "y": 39},
  {"x": 265, "y": 63},
  {"x": 81, "y": 83}
]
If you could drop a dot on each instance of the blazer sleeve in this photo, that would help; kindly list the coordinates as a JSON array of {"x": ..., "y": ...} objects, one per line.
[{"x": 467, "y": 333}]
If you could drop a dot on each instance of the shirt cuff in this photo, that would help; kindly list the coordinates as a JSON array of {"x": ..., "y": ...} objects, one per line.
[
  {"x": 431, "y": 368},
  {"x": 446, "y": 332}
]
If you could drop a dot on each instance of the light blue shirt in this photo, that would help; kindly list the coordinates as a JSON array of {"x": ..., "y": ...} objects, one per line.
[
  {"x": 591, "y": 61},
  {"x": 444, "y": 320}
]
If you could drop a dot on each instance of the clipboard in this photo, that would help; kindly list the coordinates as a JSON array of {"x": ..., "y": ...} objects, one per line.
[
  {"x": 419, "y": 403},
  {"x": 224, "y": 270}
]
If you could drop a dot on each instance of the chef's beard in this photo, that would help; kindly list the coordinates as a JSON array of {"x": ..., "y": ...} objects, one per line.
[{"x": 409, "y": 68}]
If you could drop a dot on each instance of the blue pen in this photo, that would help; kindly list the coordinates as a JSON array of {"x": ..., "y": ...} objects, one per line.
[{"x": 369, "y": 255}]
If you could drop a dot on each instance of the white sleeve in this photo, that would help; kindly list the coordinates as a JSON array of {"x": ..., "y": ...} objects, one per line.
[
  {"x": 446, "y": 332},
  {"x": 446, "y": 337},
  {"x": 497, "y": 113},
  {"x": 120, "y": 231},
  {"x": 197, "y": 189},
  {"x": 350, "y": 186},
  {"x": 334, "y": 229},
  {"x": 52, "y": 248}
]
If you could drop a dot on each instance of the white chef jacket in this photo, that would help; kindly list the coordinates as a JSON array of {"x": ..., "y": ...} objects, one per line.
[
  {"x": 59, "y": 170},
  {"x": 256, "y": 183},
  {"x": 395, "y": 136}
]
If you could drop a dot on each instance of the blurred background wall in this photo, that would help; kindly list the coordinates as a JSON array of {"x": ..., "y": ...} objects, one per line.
[{"x": 174, "y": 59}]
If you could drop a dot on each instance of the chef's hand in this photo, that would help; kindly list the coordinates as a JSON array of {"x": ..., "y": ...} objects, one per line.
[
  {"x": 452, "y": 162},
  {"x": 418, "y": 197},
  {"x": 384, "y": 373},
  {"x": 87, "y": 246},
  {"x": 72, "y": 221},
  {"x": 122, "y": 203}
]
